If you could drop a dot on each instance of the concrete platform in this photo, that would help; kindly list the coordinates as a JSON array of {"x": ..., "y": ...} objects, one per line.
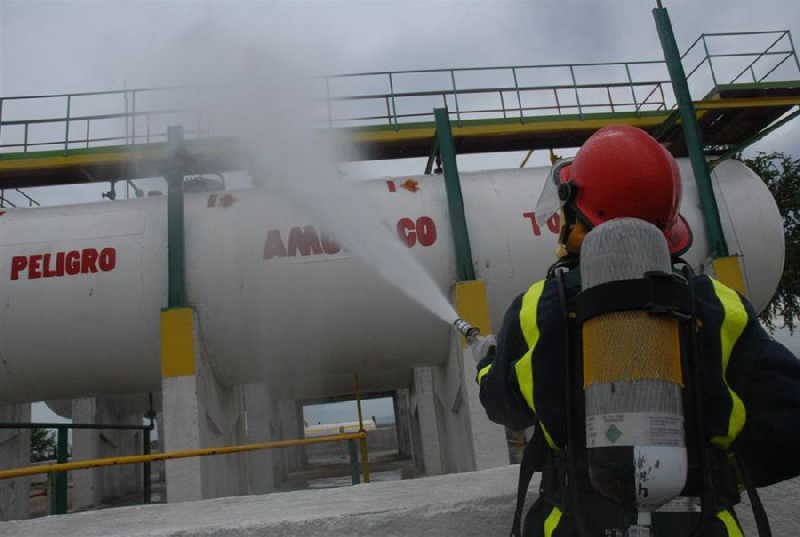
[
  {"x": 457, "y": 505},
  {"x": 469, "y": 504}
]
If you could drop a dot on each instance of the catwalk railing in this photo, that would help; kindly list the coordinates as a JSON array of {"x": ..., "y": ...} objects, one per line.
[{"x": 390, "y": 99}]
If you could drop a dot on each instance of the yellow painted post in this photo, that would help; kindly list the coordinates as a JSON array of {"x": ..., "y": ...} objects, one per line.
[
  {"x": 728, "y": 270},
  {"x": 177, "y": 343},
  {"x": 472, "y": 306}
]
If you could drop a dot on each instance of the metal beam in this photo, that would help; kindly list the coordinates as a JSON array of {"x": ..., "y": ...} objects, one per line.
[
  {"x": 756, "y": 137},
  {"x": 432, "y": 157},
  {"x": 691, "y": 133},
  {"x": 176, "y": 254},
  {"x": 455, "y": 201},
  {"x": 58, "y": 480}
]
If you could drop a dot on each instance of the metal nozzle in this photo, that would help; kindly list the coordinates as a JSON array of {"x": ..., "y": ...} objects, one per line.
[{"x": 466, "y": 330}]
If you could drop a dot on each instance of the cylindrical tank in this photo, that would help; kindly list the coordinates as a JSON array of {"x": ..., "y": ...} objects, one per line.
[
  {"x": 277, "y": 299},
  {"x": 632, "y": 377}
]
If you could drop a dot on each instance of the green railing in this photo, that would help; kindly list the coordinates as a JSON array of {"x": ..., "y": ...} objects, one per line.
[{"x": 391, "y": 98}]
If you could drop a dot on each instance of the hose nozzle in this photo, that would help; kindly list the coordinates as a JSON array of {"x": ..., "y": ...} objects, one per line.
[{"x": 467, "y": 330}]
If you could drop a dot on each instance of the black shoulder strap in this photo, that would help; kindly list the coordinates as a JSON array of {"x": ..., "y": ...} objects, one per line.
[{"x": 532, "y": 462}]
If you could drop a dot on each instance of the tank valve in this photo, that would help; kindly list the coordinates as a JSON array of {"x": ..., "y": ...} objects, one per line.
[{"x": 467, "y": 330}]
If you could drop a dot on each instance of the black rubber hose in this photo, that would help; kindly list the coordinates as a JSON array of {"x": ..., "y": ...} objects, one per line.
[{"x": 709, "y": 495}]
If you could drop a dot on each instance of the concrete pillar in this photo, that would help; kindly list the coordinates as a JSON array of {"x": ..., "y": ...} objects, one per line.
[
  {"x": 15, "y": 451},
  {"x": 467, "y": 440},
  {"x": 199, "y": 412},
  {"x": 292, "y": 428},
  {"x": 427, "y": 449},
  {"x": 262, "y": 475},
  {"x": 279, "y": 459},
  {"x": 402, "y": 423},
  {"x": 101, "y": 485}
]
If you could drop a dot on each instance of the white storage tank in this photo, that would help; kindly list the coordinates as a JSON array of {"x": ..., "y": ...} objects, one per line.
[{"x": 278, "y": 300}]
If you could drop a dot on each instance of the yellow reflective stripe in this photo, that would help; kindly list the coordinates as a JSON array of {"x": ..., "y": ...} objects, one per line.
[
  {"x": 530, "y": 331},
  {"x": 733, "y": 325},
  {"x": 524, "y": 371},
  {"x": 527, "y": 314},
  {"x": 483, "y": 372},
  {"x": 551, "y": 522},
  {"x": 731, "y": 527}
]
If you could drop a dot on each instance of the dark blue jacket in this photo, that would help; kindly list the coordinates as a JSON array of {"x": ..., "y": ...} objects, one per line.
[{"x": 751, "y": 392}]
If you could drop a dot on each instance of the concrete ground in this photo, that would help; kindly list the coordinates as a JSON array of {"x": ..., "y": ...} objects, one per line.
[{"x": 457, "y": 505}]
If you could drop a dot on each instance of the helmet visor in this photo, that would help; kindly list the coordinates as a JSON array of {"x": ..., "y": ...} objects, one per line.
[{"x": 549, "y": 203}]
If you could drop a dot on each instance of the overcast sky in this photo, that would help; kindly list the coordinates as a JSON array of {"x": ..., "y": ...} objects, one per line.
[{"x": 54, "y": 46}]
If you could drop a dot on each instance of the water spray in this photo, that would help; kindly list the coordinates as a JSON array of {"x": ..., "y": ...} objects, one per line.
[{"x": 467, "y": 330}]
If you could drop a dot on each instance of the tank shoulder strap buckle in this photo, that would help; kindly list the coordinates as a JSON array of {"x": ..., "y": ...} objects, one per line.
[{"x": 657, "y": 293}]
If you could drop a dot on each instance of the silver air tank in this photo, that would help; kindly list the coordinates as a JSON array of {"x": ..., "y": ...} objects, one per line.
[{"x": 632, "y": 376}]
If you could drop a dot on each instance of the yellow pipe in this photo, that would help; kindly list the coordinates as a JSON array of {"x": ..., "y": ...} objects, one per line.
[{"x": 135, "y": 459}]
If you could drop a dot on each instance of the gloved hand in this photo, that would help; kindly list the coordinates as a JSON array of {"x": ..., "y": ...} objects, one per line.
[{"x": 483, "y": 347}]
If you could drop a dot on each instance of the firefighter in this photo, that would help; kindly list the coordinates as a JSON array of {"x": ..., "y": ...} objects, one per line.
[{"x": 751, "y": 383}]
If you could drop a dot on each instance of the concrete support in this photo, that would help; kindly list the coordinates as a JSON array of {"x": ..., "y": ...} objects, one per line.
[
  {"x": 100, "y": 485},
  {"x": 261, "y": 426},
  {"x": 427, "y": 445},
  {"x": 402, "y": 421},
  {"x": 15, "y": 451},
  {"x": 199, "y": 411},
  {"x": 463, "y": 438},
  {"x": 293, "y": 427}
]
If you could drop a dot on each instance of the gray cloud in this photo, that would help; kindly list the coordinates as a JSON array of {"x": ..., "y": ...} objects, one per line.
[{"x": 55, "y": 46}]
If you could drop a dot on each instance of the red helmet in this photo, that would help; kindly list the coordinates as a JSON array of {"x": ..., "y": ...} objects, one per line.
[{"x": 622, "y": 171}]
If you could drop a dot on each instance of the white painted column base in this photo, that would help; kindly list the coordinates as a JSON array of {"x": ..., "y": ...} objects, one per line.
[
  {"x": 96, "y": 486},
  {"x": 201, "y": 412},
  {"x": 261, "y": 426},
  {"x": 15, "y": 451},
  {"x": 451, "y": 420}
]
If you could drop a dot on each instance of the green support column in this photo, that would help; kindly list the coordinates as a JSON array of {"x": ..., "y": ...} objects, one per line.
[
  {"x": 175, "y": 234},
  {"x": 455, "y": 201},
  {"x": 691, "y": 132},
  {"x": 355, "y": 467},
  {"x": 59, "y": 480}
]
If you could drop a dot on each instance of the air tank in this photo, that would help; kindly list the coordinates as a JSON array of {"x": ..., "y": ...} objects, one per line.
[{"x": 278, "y": 300}]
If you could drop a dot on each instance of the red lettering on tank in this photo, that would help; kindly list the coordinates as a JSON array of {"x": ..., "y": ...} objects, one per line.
[
  {"x": 108, "y": 259},
  {"x": 48, "y": 272},
  {"x": 390, "y": 185},
  {"x": 60, "y": 264},
  {"x": 72, "y": 262},
  {"x": 329, "y": 244},
  {"x": 227, "y": 200},
  {"x": 426, "y": 230},
  {"x": 534, "y": 224},
  {"x": 33, "y": 267},
  {"x": 88, "y": 260},
  {"x": 273, "y": 246},
  {"x": 406, "y": 229},
  {"x": 422, "y": 231},
  {"x": 554, "y": 223},
  {"x": 212, "y": 200},
  {"x": 305, "y": 240},
  {"x": 18, "y": 263}
]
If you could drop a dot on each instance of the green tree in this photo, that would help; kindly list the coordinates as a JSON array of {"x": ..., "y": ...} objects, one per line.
[
  {"x": 43, "y": 444},
  {"x": 781, "y": 174}
]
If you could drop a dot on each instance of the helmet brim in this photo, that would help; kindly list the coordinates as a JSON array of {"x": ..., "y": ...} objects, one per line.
[{"x": 679, "y": 237}]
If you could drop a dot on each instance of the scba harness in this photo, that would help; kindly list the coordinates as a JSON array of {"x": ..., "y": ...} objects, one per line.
[{"x": 568, "y": 503}]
